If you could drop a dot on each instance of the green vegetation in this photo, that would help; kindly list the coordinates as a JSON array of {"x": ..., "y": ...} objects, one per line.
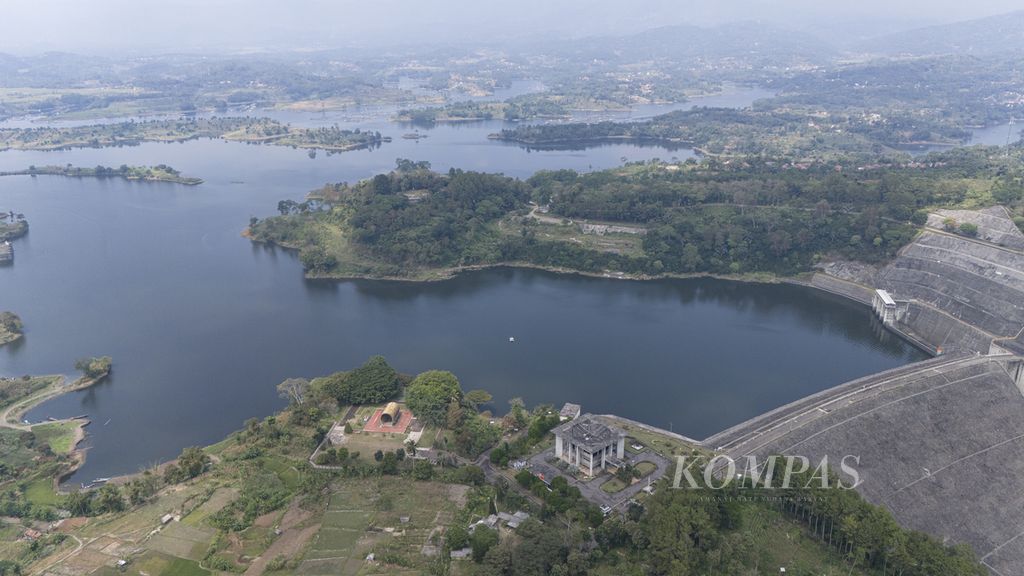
[
  {"x": 799, "y": 135},
  {"x": 255, "y": 495},
  {"x": 430, "y": 395},
  {"x": 41, "y": 493},
  {"x": 400, "y": 224},
  {"x": 372, "y": 383},
  {"x": 521, "y": 108},
  {"x": 60, "y": 436},
  {"x": 613, "y": 485},
  {"x": 12, "y": 226},
  {"x": 250, "y": 130},
  {"x": 11, "y": 327},
  {"x": 32, "y": 457},
  {"x": 542, "y": 420},
  {"x": 865, "y": 110},
  {"x": 714, "y": 216},
  {"x": 94, "y": 368},
  {"x": 686, "y": 529},
  {"x": 158, "y": 173},
  {"x": 15, "y": 390}
]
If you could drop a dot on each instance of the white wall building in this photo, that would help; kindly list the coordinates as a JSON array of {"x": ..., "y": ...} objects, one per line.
[{"x": 589, "y": 444}]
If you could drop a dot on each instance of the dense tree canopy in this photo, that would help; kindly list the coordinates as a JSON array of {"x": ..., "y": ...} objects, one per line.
[
  {"x": 373, "y": 382},
  {"x": 719, "y": 215},
  {"x": 429, "y": 395}
]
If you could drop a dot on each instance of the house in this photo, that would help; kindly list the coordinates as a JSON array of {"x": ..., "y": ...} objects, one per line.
[
  {"x": 588, "y": 444},
  {"x": 517, "y": 519},
  {"x": 495, "y": 520},
  {"x": 569, "y": 412}
]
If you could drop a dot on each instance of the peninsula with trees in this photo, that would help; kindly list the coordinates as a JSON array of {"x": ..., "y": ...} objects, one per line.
[
  {"x": 236, "y": 129},
  {"x": 158, "y": 173},
  {"x": 731, "y": 218}
]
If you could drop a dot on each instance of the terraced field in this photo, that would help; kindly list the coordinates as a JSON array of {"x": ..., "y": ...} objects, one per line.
[{"x": 366, "y": 516}]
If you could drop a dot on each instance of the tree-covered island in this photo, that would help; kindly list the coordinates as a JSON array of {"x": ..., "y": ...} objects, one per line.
[
  {"x": 11, "y": 327},
  {"x": 158, "y": 173},
  {"x": 12, "y": 226}
]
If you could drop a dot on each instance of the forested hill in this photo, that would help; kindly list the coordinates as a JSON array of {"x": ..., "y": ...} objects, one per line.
[
  {"x": 714, "y": 216},
  {"x": 1000, "y": 34}
]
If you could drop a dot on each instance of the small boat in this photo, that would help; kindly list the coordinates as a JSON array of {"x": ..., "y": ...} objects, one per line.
[{"x": 511, "y": 339}]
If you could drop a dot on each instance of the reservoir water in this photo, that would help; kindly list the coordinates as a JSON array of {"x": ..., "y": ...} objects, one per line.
[{"x": 202, "y": 324}]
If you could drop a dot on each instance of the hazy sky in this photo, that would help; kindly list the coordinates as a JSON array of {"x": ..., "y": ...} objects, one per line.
[{"x": 186, "y": 25}]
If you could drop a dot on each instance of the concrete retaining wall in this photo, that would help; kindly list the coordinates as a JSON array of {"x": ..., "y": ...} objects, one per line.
[
  {"x": 845, "y": 288},
  {"x": 941, "y": 332}
]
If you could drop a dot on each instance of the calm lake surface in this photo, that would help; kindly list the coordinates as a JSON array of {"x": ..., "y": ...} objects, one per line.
[{"x": 202, "y": 324}]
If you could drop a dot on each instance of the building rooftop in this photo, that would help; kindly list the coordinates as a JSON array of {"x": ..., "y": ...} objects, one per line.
[
  {"x": 570, "y": 411},
  {"x": 588, "y": 432},
  {"x": 886, "y": 298}
]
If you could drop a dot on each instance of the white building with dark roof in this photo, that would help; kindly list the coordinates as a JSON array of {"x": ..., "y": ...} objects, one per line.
[{"x": 589, "y": 444}]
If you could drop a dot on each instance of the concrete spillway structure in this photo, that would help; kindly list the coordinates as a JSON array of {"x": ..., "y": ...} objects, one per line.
[
  {"x": 886, "y": 308},
  {"x": 940, "y": 442}
]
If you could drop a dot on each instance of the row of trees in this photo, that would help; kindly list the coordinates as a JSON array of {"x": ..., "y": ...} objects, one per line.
[{"x": 684, "y": 531}]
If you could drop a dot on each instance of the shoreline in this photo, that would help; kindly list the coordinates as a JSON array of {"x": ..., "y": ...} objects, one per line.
[
  {"x": 12, "y": 417},
  {"x": 449, "y": 273},
  {"x": 78, "y": 455}
]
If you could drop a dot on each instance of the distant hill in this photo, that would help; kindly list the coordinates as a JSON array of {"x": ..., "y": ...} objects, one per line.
[
  {"x": 993, "y": 35},
  {"x": 685, "y": 42}
]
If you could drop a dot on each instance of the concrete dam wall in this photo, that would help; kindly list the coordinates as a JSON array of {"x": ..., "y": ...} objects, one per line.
[{"x": 940, "y": 442}]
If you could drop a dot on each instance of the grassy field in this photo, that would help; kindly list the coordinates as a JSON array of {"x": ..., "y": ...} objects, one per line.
[
  {"x": 613, "y": 485},
  {"x": 59, "y": 435},
  {"x": 550, "y": 230},
  {"x": 645, "y": 468},
  {"x": 665, "y": 445},
  {"x": 41, "y": 493},
  {"x": 366, "y": 443},
  {"x": 182, "y": 540},
  {"x": 220, "y": 498},
  {"x": 429, "y": 436},
  {"x": 156, "y": 564},
  {"x": 284, "y": 470}
]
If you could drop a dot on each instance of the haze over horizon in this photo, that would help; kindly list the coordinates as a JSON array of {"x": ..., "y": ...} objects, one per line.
[{"x": 132, "y": 27}]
